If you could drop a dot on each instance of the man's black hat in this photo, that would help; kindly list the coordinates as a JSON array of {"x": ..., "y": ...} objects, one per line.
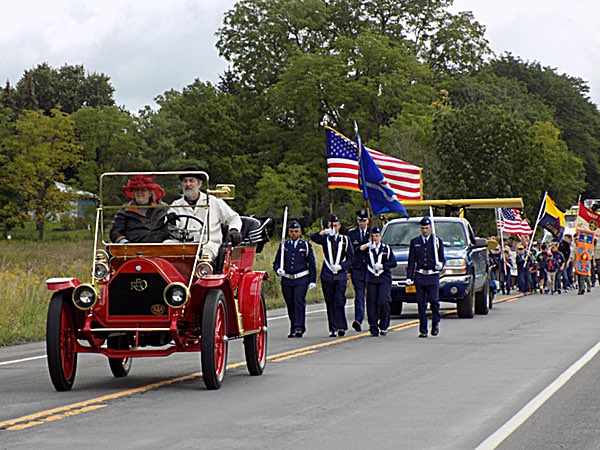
[
  {"x": 375, "y": 230},
  {"x": 294, "y": 224},
  {"x": 333, "y": 218},
  {"x": 425, "y": 221},
  {"x": 191, "y": 175},
  {"x": 362, "y": 214}
]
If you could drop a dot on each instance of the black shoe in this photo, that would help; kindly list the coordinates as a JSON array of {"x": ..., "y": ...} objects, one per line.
[
  {"x": 435, "y": 331},
  {"x": 374, "y": 333},
  {"x": 341, "y": 333},
  {"x": 356, "y": 326},
  {"x": 383, "y": 332},
  {"x": 332, "y": 334},
  {"x": 422, "y": 335},
  {"x": 291, "y": 335},
  {"x": 298, "y": 334}
]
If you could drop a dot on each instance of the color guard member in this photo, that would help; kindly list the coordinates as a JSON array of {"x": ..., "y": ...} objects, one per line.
[
  {"x": 338, "y": 256},
  {"x": 380, "y": 261},
  {"x": 358, "y": 272},
  {"x": 423, "y": 269},
  {"x": 298, "y": 274}
]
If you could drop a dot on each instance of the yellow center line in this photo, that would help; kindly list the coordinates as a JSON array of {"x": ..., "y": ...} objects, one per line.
[{"x": 92, "y": 404}]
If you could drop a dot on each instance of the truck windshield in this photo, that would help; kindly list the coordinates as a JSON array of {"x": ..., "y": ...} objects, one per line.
[{"x": 400, "y": 234}]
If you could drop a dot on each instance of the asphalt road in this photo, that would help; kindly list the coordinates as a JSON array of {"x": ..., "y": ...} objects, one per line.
[{"x": 495, "y": 380}]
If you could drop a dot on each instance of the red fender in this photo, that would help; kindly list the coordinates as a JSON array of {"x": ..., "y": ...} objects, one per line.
[
  {"x": 249, "y": 299},
  {"x": 58, "y": 284}
]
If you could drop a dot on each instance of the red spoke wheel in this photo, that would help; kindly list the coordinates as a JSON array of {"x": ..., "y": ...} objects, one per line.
[
  {"x": 119, "y": 367},
  {"x": 214, "y": 339},
  {"x": 60, "y": 342},
  {"x": 255, "y": 345}
]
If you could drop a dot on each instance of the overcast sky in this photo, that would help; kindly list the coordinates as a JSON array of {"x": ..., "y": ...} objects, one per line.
[{"x": 147, "y": 47}]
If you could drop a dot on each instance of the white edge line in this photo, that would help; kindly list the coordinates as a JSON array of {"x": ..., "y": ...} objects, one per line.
[
  {"x": 21, "y": 360},
  {"x": 527, "y": 411}
]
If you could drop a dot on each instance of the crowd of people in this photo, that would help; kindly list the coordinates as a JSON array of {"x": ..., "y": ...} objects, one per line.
[{"x": 542, "y": 267}]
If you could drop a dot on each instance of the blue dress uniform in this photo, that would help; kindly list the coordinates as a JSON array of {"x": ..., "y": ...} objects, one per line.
[
  {"x": 358, "y": 270},
  {"x": 421, "y": 269},
  {"x": 337, "y": 250},
  {"x": 379, "y": 286},
  {"x": 300, "y": 270}
]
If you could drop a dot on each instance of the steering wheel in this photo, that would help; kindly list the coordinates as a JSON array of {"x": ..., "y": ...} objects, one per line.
[{"x": 181, "y": 233}]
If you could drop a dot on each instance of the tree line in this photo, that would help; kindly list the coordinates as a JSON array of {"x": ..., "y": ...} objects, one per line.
[{"x": 421, "y": 82}]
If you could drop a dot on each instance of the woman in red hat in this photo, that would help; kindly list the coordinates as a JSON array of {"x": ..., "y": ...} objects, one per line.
[{"x": 133, "y": 222}]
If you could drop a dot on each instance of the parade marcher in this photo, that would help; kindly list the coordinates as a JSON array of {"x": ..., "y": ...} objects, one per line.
[
  {"x": 505, "y": 271},
  {"x": 139, "y": 220},
  {"x": 565, "y": 248},
  {"x": 521, "y": 270},
  {"x": 380, "y": 261},
  {"x": 561, "y": 262},
  {"x": 220, "y": 213},
  {"x": 298, "y": 274},
  {"x": 597, "y": 259},
  {"x": 358, "y": 272},
  {"x": 338, "y": 256},
  {"x": 551, "y": 266},
  {"x": 424, "y": 265}
]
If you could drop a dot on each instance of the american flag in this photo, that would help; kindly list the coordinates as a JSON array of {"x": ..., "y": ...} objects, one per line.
[
  {"x": 342, "y": 168},
  {"x": 509, "y": 220}
]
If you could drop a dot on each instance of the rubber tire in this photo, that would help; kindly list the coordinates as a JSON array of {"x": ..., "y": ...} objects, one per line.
[
  {"x": 213, "y": 356},
  {"x": 395, "y": 307},
  {"x": 465, "y": 308},
  {"x": 119, "y": 367},
  {"x": 255, "y": 345},
  {"x": 60, "y": 342},
  {"x": 482, "y": 299}
]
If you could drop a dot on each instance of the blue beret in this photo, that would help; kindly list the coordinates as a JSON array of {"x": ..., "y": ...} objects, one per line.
[
  {"x": 425, "y": 221},
  {"x": 333, "y": 218},
  {"x": 294, "y": 224},
  {"x": 362, "y": 214},
  {"x": 375, "y": 230}
]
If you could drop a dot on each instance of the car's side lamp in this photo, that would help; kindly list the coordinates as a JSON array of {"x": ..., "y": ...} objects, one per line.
[{"x": 223, "y": 191}]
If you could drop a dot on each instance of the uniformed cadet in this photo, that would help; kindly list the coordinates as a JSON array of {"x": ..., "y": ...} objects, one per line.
[
  {"x": 298, "y": 274},
  {"x": 423, "y": 270},
  {"x": 338, "y": 256},
  {"x": 358, "y": 272},
  {"x": 380, "y": 261}
]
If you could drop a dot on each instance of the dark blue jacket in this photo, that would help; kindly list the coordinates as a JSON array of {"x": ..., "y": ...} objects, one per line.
[
  {"x": 388, "y": 261},
  {"x": 422, "y": 257},
  {"x": 346, "y": 258},
  {"x": 359, "y": 266},
  {"x": 296, "y": 260}
]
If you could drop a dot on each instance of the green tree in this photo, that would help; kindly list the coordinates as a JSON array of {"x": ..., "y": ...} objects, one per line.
[{"x": 39, "y": 152}]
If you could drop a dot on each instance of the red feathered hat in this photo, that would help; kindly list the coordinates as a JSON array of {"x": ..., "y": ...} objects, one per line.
[{"x": 143, "y": 182}]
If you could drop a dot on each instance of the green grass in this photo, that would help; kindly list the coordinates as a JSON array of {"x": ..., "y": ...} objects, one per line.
[{"x": 26, "y": 264}]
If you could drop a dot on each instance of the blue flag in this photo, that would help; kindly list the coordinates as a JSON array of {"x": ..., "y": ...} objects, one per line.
[{"x": 376, "y": 188}]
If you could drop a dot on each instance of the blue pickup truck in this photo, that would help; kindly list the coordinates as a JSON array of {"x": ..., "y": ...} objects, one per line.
[{"x": 465, "y": 277}]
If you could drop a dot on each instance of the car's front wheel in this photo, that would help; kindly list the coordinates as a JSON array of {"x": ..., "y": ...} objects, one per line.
[
  {"x": 213, "y": 356},
  {"x": 61, "y": 342}
]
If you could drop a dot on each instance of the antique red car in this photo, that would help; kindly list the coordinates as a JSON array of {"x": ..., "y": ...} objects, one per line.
[{"x": 148, "y": 300}]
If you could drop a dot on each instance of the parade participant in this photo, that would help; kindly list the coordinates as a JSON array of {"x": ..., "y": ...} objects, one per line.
[
  {"x": 298, "y": 274},
  {"x": 521, "y": 270},
  {"x": 338, "y": 256},
  {"x": 562, "y": 278},
  {"x": 140, "y": 225},
  {"x": 551, "y": 266},
  {"x": 358, "y": 272},
  {"x": 425, "y": 261},
  {"x": 561, "y": 261},
  {"x": 220, "y": 213},
  {"x": 380, "y": 261},
  {"x": 505, "y": 270}
]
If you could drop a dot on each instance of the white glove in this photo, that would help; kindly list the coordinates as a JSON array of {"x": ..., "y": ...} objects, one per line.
[
  {"x": 312, "y": 285},
  {"x": 330, "y": 231},
  {"x": 439, "y": 266},
  {"x": 409, "y": 282},
  {"x": 280, "y": 272},
  {"x": 378, "y": 266},
  {"x": 336, "y": 267},
  {"x": 371, "y": 245}
]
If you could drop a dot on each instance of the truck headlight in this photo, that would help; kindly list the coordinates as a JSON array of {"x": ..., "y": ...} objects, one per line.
[
  {"x": 456, "y": 266},
  {"x": 176, "y": 295},
  {"x": 85, "y": 296}
]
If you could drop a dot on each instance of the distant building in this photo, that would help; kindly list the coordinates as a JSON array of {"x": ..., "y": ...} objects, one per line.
[{"x": 83, "y": 203}]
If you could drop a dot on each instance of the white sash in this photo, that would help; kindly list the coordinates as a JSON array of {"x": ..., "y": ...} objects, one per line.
[
  {"x": 372, "y": 260},
  {"x": 338, "y": 257}
]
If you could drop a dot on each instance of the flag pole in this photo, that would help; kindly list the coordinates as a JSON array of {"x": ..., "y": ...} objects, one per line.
[
  {"x": 501, "y": 223},
  {"x": 362, "y": 181},
  {"x": 537, "y": 221},
  {"x": 435, "y": 238}
]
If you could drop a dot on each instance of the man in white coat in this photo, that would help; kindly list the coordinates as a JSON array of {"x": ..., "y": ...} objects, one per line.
[{"x": 220, "y": 213}]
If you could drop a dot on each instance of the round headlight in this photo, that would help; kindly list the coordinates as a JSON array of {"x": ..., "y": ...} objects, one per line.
[
  {"x": 203, "y": 269},
  {"x": 85, "y": 296},
  {"x": 176, "y": 295},
  {"x": 100, "y": 271}
]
